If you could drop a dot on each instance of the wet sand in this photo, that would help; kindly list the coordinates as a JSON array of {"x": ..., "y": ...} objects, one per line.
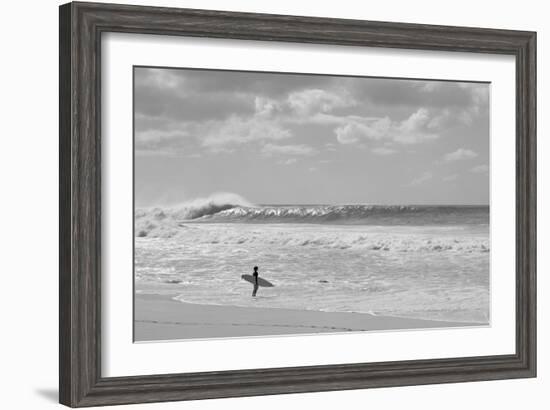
[{"x": 158, "y": 317}]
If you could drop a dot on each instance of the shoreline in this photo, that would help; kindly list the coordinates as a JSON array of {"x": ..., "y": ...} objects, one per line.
[{"x": 160, "y": 318}]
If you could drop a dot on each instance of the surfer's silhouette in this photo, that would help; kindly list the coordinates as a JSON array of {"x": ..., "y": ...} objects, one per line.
[{"x": 256, "y": 284}]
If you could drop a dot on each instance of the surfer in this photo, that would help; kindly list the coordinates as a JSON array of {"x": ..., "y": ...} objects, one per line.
[
  {"x": 256, "y": 281},
  {"x": 256, "y": 284}
]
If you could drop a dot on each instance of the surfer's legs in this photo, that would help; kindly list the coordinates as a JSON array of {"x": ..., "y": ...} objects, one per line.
[{"x": 255, "y": 290}]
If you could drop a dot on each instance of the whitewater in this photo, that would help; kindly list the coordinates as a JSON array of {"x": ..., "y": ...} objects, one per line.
[{"x": 428, "y": 262}]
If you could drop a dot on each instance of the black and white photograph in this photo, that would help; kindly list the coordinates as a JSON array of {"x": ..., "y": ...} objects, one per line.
[
  {"x": 266, "y": 205},
  {"x": 289, "y": 203}
]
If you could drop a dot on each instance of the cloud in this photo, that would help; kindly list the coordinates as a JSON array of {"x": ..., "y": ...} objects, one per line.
[
  {"x": 289, "y": 161},
  {"x": 451, "y": 117},
  {"x": 412, "y": 130},
  {"x": 298, "y": 150},
  {"x": 158, "y": 78},
  {"x": 208, "y": 94},
  {"x": 357, "y": 129},
  {"x": 144, "y": 138},
  {"x": 480, "y": 169},
  {"x": 415, "y": 128},
  {"x": 221, "y": 110},
  {"x": 203, "y": 81},
  {"x": 383, "y": 151},
  {"x": 432, "y": 94},
  {"x": 266, "y": 121},
  {"x": 306, "y": 102},
  {"x": 177, "y": 95},
  {"x": 474, "y": 103},
  {"x": 312, "y": 92},
  {"x": 305, "y": 106},
  {"x": 428, "y": 86},
  {"x": 266, "y": 107},
  {"x": 460, "y": 155},
  {"x": 426, "y": 176},
  {"x": 165, "y": 143},
  {"x": 216, "y": 135},
  {"x": 238, "y": 130}
]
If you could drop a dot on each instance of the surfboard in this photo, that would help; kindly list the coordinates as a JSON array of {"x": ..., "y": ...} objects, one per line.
[{"x": 261, "y": 281}]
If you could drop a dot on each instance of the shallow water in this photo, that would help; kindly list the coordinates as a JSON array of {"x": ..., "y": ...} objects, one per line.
[{"x": 421, "y": 271}]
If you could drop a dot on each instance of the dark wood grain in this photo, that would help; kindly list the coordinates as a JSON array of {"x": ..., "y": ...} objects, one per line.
[
  {"x": 81, "y": 26},
  {"x": 80, "y": 217},
  {"x": 65, "y": 272}
]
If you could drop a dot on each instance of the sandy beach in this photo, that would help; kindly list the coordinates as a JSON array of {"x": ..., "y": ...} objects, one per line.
[{"x": 158, "y": 317}]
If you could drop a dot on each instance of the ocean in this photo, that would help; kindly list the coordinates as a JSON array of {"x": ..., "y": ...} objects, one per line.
[{"x": 426, "y": 262}]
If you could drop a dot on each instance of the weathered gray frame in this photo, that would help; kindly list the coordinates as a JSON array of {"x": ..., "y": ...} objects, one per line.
[{"x": 81, "y": 26}]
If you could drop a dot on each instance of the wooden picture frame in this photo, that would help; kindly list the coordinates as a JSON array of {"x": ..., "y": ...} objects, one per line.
[{"x": 81, "y": 27}]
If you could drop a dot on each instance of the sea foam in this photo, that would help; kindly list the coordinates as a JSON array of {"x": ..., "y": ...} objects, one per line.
[
  {"x": 231, "y": 208},
  {"x": 165, "y": 222}
]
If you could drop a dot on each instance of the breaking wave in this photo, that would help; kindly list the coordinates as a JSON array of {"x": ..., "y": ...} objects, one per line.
[
  {"x": 342, "y": 240},
  {"x": 355, "y": 214},
  {"x": 166, "y": 222},
  {"x": 232, "y": 208}
]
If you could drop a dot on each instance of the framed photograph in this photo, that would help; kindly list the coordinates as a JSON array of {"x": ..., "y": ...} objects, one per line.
[{"x": 262, "y": 204}]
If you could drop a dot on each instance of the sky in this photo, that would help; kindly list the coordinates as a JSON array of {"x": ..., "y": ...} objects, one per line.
[{"x": 278, "y": 138}]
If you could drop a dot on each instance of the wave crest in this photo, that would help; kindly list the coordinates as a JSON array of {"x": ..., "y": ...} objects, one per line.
[
  {"x": 166, "y": 222},
  {"x": 232, "y": 208},
  {"x": 356, "y": 214}
]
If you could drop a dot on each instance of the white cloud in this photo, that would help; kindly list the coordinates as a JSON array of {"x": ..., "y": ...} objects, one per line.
[
  {"x": 459, "y": 155},
  {"x": 216, "y": 135},
  {"x": 237, "y": 130},
  {"x": 356, "y": 130},
  {"x": 448, "y": 118},
  {"x": 413, "y": 130},
  {"x": 428, "y": 86},
  {"x": 298, "y": 150},
  {"x": 479, "y": 94},
  {"x": 160, "y": 78},
  {"x": 478, "y": 104},
  {"x": 315, "y": 100},
  {"x": 274, "y": 116},
  {"x": 266, "y": 107},
  {"x": 480, "y": 169},
  {"x": 440, "y": 120},
  {"x": 266, "y": 123},
  {"x": 426, "y": 176}
]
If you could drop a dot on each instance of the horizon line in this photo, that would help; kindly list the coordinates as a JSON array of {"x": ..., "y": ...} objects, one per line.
[{"x": 328, "y": 204}]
